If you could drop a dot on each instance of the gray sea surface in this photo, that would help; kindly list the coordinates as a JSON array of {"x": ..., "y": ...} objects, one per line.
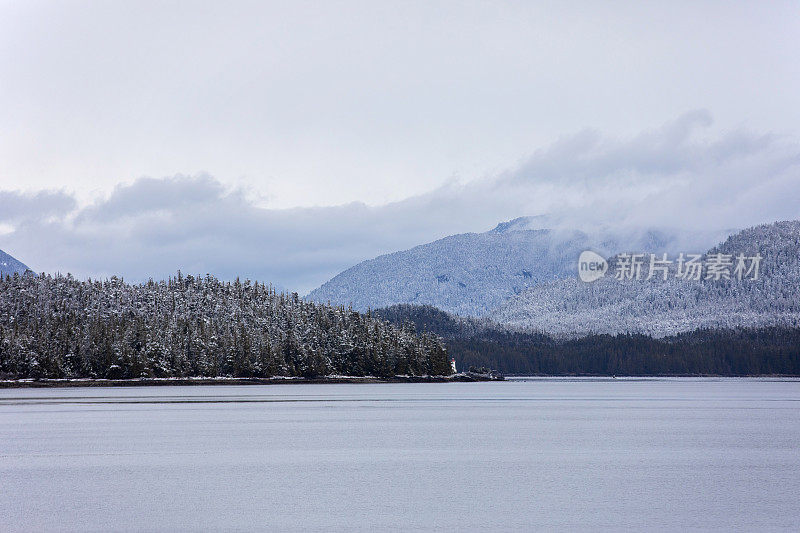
[{"x": 522, "y": 455}]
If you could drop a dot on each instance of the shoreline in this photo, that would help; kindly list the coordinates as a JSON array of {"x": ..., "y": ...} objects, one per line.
[{"x": 279, "y": 380}]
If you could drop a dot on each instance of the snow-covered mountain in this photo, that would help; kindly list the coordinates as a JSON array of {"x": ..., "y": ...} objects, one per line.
[
  {"x": 9, "y": 265},
  {"x": 473, "y": 273},
  {"x": 659, "y": 308}
]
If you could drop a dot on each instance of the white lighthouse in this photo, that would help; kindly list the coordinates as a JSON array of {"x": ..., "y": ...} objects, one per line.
[{"x": 453, "y": 366}]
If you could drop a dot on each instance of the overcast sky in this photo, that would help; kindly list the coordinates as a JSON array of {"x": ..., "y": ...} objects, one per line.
[{"x": 287, "y": 141}]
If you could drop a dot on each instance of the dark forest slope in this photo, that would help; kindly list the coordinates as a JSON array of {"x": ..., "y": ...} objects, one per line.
[{"x": 727, "y": 352}]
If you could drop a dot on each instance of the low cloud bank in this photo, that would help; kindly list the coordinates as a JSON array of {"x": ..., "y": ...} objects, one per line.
[{"x": 676, "y": 176}]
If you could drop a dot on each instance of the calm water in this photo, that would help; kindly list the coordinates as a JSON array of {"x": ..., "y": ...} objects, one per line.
[{"x": 540, "y": 454}]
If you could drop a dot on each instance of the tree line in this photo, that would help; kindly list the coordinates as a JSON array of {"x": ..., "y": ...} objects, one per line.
[
  {"x": 723, "y": 352},
  {"x": 59, "y": 327}
]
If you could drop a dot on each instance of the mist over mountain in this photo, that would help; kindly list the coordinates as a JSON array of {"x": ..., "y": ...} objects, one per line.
[
  {"x": 472, "y": 274},
  {"x": 660, "y": 307}
]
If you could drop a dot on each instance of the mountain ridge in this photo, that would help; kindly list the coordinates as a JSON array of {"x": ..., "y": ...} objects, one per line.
[
  {"x": 471, "y": 274},
  {"x": 10, "y": 265}
]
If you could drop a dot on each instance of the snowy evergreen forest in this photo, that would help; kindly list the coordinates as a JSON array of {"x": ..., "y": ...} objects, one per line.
[
  {"x": 58, "y": 326},
  {"x": 571, "y": 308}
]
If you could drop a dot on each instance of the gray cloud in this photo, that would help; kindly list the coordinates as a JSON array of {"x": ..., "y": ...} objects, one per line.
[
  {"x": 17, "y": 207},
  {"x": 675, "y": 175},
  {"x": 321, "y": 103}
]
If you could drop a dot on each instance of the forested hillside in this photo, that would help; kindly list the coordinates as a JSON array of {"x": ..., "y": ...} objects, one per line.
[
  {"x": 724, "y": 352},
  {"x": 191, "y": 326},
  {"x": 472, "y": 274},
  {"x": 660, "y": 307}
]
